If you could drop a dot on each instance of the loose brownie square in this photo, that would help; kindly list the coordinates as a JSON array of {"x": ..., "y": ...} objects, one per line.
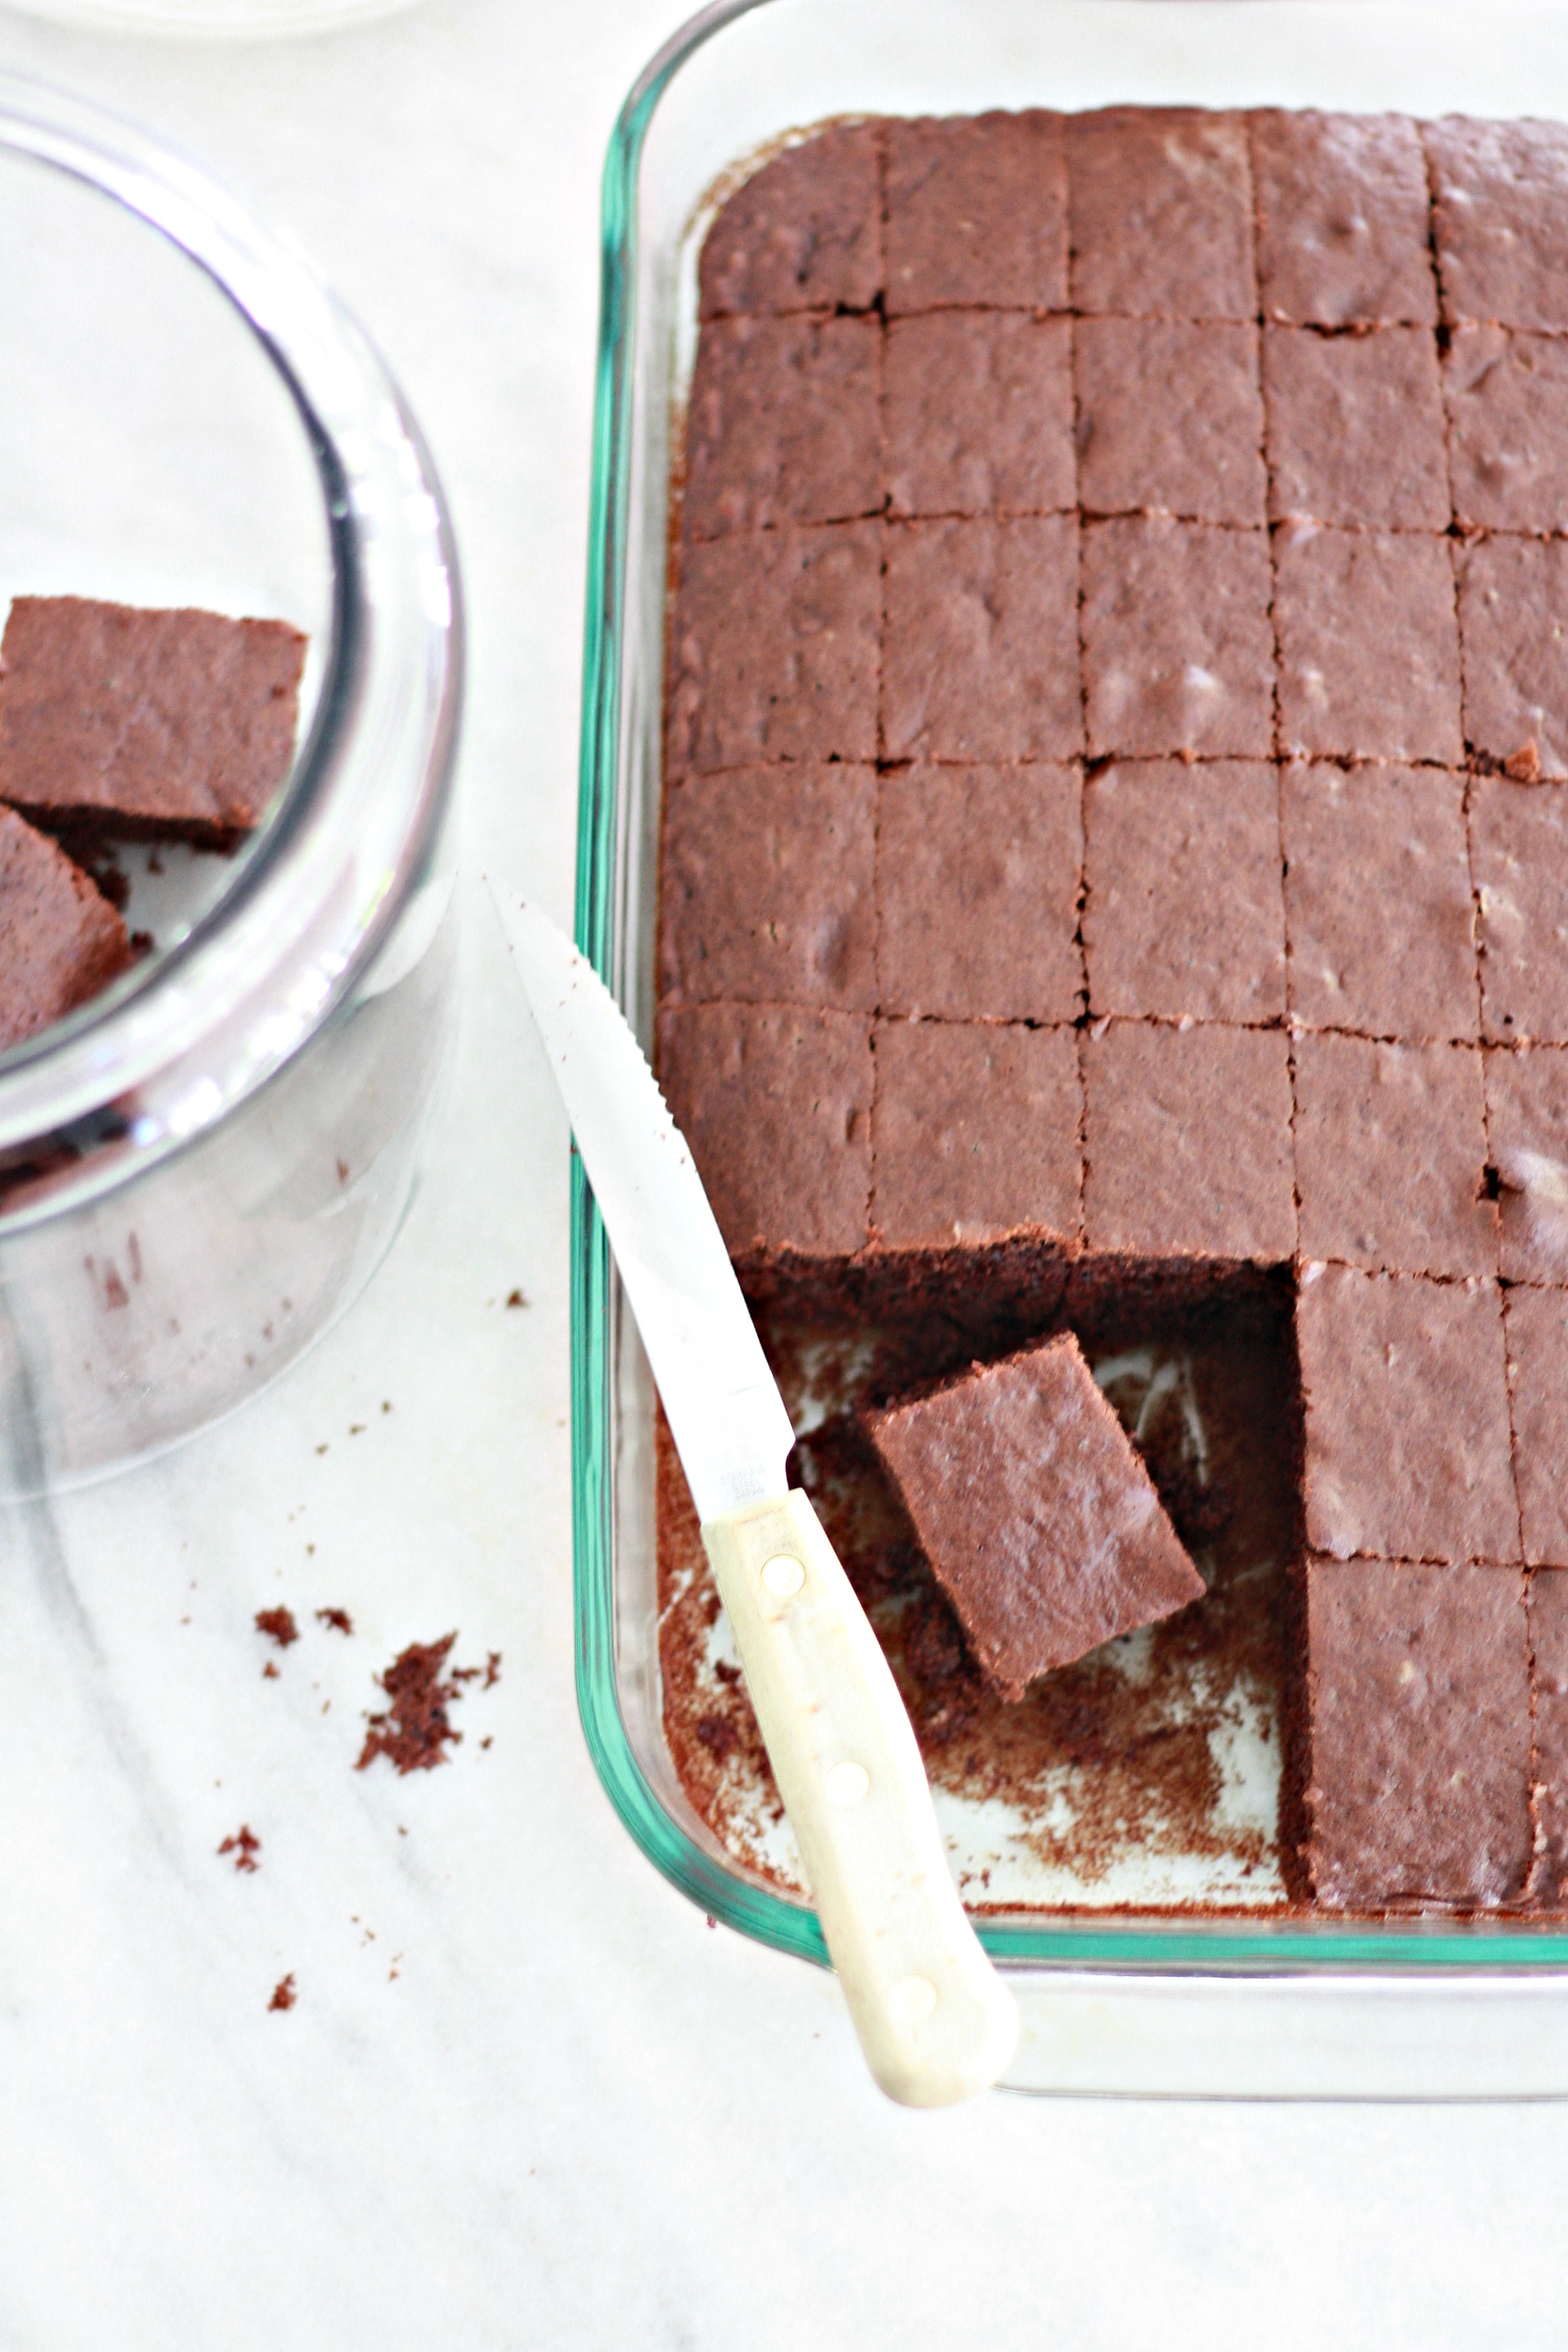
[
  {"x": 1513, "y": 594},
  {"x": 1527, "y": 1124},
  {"x": 1160, "y": 201},
  {"x": 1546, "y": 1600},
  {"x": 976, "y": 213},
  {"x": 1178, "y": 655},
  {"x": 1165, "y": 840},
  {"x": 783, "y": 424},
  {"x": 775, "y": 1103},
  {"x": 1500, "y": 219},
  {"x": 1536, "y": 1322},
  {"x": 1169, "y": 419},
  {"x": 1355, "y": 428},
  {"x": 1418, "y": 1704},
  {"x": 1390, "y": 1155},
  {"x": 1343, "y": 232},
  {"x": 1408, "y": 1447},
  {"x": 1518, "y": 851},
  {"x": 1379, "y": 916},
  {"x": 978, "y": 413},
  {"x": 975, "y": 1133},
  {"x": 1508, "y": 407},
  {"x": 773, "y": 648},
  {"x": 1039, "y": 1521},
  {"x": 122, "y": 721},
  {"x": 61, "y": 939},
  {"x": 768, "y": 889},
  {"x": 1187, "y": 1142},
  {"x": 1369, "y": 648},
  {"x": 980, "y": 640},
  {"x": 803, "y": 234},
  {"x": 977, "y": 889}
]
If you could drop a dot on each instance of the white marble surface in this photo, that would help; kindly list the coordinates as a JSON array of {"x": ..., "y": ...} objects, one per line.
[{"x": 573, "y": 2116}]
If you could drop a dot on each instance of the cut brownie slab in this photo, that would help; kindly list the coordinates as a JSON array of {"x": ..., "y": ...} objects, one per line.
[
  {"x": 980, "y": 642},
  {"x": 130, "y": 723},
  {"x": 978, "y": 413},
  {"x": 1160, "y": 202},
  {"x": 1039, "y": 1521},
  {"x": 1187, "y": 1142},
  {"x": 769, "y": 887},
  {"x": 975, "y": 1134},
  {"x": 1500, "y": 220},
  {"x": 1178, "y": 656},
  {"x": 1537, "y": 1326},
  {"x": 1513, "y": 595},
  {"x": 1390, "y": 1155},
  {"x": 776, "y": 1102},
  {"x": 1343, "y": 233},
  {"x": 783, "y": 424},
  {"x": 1164, "y": 839},
  {"x": 1379, "y": 916},
  {"x": 978, "y": 889},
  {"x": 1169, "y": 419},
  {"x": 61, "y": 939},
  {"x": 1418, "y": 1698},
  {"x": 1407, "y": 1448},
  {"x": 805, "y": 232},
  {"x": 976, "y": 213},
  {"x": 1527, "y": 1123},
  {"x": 1369, "y": 647},
  {"x": 1507, "y": 408},
  {"x": 1355, "y": 428},
  {"x": 1519, "y": 845},
  {"x": 1547, "y": 1607}
]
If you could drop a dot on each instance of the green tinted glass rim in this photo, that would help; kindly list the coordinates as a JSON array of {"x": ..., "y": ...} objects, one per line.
[{"x": 754, "y": 1911}]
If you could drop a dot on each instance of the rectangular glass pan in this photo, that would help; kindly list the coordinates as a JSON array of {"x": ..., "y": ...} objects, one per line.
[{"x": 1226, "y": 2006}]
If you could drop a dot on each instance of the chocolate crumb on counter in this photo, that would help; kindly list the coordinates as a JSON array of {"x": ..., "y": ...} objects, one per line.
[
  {"x": 413, "y": 1731},
  {"x": 284, "y": 1993},
  {"x": 278, "y": 1626},
  {"x": 338, "y": 1620},
  {"x": 245, "y": 1845}
]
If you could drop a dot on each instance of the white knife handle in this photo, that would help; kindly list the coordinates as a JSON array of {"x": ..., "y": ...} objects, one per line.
[{"x": 935, "y": 2021}]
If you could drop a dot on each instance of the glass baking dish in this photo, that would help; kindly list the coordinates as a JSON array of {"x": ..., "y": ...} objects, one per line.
[{"x": 1266, "y": 2007}]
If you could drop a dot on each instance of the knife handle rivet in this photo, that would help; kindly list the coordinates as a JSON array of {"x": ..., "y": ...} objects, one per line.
[
  {"x": 783, "y": 1574},
  {"x": 847, "y": 1783}
]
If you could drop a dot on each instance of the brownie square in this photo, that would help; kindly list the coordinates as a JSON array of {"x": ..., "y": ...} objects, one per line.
[
  {"x": 1163, "y": 841},
  {"x": 775, "y": 1103},
  {"x": 1039, "y": 1518},
  {"x": 978, "y": 414},
  {"x": 1178, "y": 655},
  {"x": 1379, "y": 917},
  {"x": 1407, "y": 1449},
  {"x": 1343, "y": 233},
  {"x": 1500, "y": 219},
  {"x": 977, "y": 888},
  {"x": 1518, "y": 851},
  {"x": 773, "y": 648},
  {"x": 768, "y": 889},
  {"x": 1513, "y": 599},
  {"x": 980, "y": 642},
  {"x": 1537, "y": 1325},
  {"x": 1355, "y": 428},
  {"x": 803, "y": 234},
  {"x": 1169, "y": 419},
  {"x": 783, "y": 424},
  {"x": 1546, "y": 1601},
  {"x": 1390, "y": 1155},
  {"x": 975, "y": 1133},
  {"x": 976, "y": 212},
  {"x": 1527, "y": 1125},
  {"x": 1187, "y": 1142},
  {"x": 1418, "y": 1702},
  {"x": 1369, "y": 648},
  {"x": 1507, "y": 409},
  {"x": 124, "y": 721},
  {"x": 1160, "y": 201},
  {"x": 61, "y": 939}
]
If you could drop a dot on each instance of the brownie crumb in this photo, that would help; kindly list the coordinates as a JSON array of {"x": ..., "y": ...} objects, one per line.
[
  {"x": 1523, "y": 766},
  {"x": 284, "y": 1994},
  {"x": 414, "y": 1730},
  {"x": 516, "y": 1298},
  {"x": 245, "y": 1845},
  {"x": 278, "y": 1625},
  {"x": 338, "y": 1619}
]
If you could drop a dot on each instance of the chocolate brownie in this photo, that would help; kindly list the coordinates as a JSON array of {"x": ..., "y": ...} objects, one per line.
[
  {"x": 61, "y": 939},
  {"x": 1419, "y": 1723},
  {"x": 783, "y": 424},
  {"x": 1536, "y": 1323},
  {"x": 805, "y": 232},
  {"x": 1160, "y": 202},
  {"x": 1499, "y": 218},
  {"x": 1390, "y": 1155},
  {"x": 980, "y": 640},
  {"x": 1369, "y": 648},
  {"x": 1161, "y": 838},
  {"x": 1519, "y": 850},
  {"x": 1527, "y": 1126},
  {"x": 1343, "y": 233},
  {"x": 977, "y": 413},
  {"x": 1178, "y": 656},
  {"x": 769, "y": 888},
  {"x": 1546, "y": 1602},
  {"x": 976, "y": 213},
  {"x": 1039, "y": 1521},
  {"x": 1507, "y": 408},
  {"x": 1169, "y": 419},
  {"x": 1355, "y": 428},
  {"x": 1407, "y": 1450},
  {"x": 974, "y": 1133},
  {"x": 1513, "y": 592},
  {"x": 977, "y": 889},
  {"x": 124, "y": 722}
]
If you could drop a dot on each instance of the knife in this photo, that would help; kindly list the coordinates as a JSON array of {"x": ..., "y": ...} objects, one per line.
[{"x": 934, "y": 2019}]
